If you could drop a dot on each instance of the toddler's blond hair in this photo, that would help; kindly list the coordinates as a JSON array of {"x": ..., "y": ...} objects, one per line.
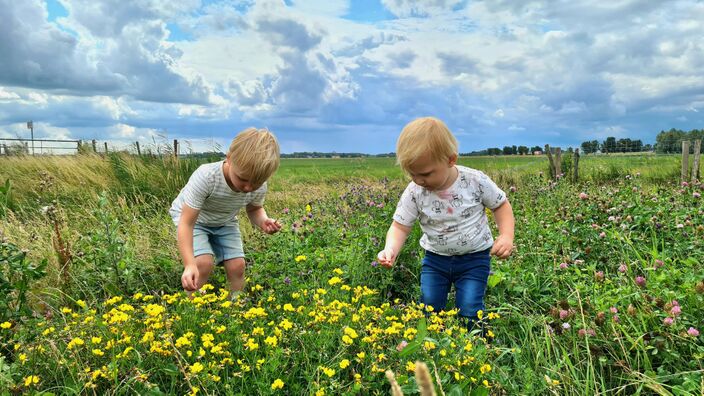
[
  {"x": 256, "y": 153},
  {"x": 427, "y": 135}
]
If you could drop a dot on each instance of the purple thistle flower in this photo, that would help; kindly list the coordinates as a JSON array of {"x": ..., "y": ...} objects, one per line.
[
  {"x": 668, "y": 321},
  {"x": 676, "y": 310},
  {"x": 693, "y": 332},
  {"x": 564, "y": 314},
  {"x": 622, "y": 268},
  {"x": 287, "y": 280},
  {"x": 374, "y": 263},
  {"x": 563, "y": 265}
]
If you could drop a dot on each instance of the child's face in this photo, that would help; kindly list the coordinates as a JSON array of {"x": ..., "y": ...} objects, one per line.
[
  {"x": 238, "y": 179},
  {"x": 431, "y": 174}
]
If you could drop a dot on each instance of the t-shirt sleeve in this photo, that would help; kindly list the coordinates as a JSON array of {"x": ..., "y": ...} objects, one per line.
[
  {"x": 406, "y": 209},
  {"x": 259, "y": 195},
  {"x": 197, "y": 189},
  {"x": 492, "y": 195}
]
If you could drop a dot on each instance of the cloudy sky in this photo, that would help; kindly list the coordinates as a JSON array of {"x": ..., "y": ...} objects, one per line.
[{"x": 335, "y": 75}]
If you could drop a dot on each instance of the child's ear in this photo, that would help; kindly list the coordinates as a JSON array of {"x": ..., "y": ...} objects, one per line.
[{"x": 453, "y": 160}]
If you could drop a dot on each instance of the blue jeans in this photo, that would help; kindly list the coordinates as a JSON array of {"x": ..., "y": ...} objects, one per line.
[{"x": 469, "y": 272}]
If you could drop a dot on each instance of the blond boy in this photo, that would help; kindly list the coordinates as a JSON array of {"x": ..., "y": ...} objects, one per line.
[
  {"x": 205, "y": 211},
  {"x": 449, "y": 201}
]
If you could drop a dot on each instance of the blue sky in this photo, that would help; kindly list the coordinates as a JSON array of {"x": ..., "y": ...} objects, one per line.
[{"x": 335, "y": 75}]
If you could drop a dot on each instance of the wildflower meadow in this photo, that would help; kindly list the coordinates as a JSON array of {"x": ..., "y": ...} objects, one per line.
[{"x": 604, "y": 294}]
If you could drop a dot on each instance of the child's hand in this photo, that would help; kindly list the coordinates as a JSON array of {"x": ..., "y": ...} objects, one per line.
[
  {"x": 271, "y": 226},
  {"x": 189, "y": 279},
  {"x": 386, "y": 257},
  {"x": 503, "y": 247}
]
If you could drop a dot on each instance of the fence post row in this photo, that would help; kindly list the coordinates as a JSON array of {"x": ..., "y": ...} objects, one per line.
[
  {"x": 697, "y": 154},
  {"x": 575, "y": 166},
  {"x": 175, "y": 148},
  {"x": 685, "y": 161}
]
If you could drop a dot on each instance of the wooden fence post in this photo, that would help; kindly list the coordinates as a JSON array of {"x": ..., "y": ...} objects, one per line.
[
  {"x": 106, "y": 148},
  {"x": 685, "y": 161},
  {"x": 175, "y": 148},
  {"x": 575, "y": 165},
  {"x": 697, "y": 153},
  {"x": 558, "y": 162},
  {"x": 552, "y": 164},
  {"x": 139, "y": 152},
  {"x": 4, "y": 146},
  {"x": 95, "y": 150}
]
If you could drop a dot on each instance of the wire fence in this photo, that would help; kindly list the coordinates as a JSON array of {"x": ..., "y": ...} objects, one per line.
[{"x": 148, "y": 147}]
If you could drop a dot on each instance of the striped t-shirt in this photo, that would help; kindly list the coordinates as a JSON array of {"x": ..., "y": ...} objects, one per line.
[{"x": 207, "y": 191}]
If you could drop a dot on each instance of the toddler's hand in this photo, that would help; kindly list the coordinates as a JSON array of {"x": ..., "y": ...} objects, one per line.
[
  {"x": 189, "y": 279},
  {"x": 503, "y": 247},
  {"x": 271, "y": 226},
  {"x": 386, "y": 257}
]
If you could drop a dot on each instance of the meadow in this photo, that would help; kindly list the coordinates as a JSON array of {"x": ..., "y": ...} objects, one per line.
[{"x": 604, "y": 295}]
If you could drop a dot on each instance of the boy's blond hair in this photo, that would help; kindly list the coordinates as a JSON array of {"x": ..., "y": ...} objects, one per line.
[
  {"x": 256, "y": 153},
  {"x": 427, "y": 135}
]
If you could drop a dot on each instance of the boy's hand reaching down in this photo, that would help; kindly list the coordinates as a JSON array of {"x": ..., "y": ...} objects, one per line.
[
  {"x": 270, "y": 226},
  {"x": 503, "y": 247},
  {"x": 386, "y": 257},
  {"x": 189, "y": 279}
]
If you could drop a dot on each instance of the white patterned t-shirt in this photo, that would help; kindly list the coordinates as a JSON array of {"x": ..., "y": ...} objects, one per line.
[
  {"x": 453, "y": 221},
  {"x": 207, "y": 191}
]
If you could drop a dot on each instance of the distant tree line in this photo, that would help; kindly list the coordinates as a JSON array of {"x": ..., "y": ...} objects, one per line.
[
  {"x": 611, "y": 145},
  {"x": 317, "y": 154},
  {"x": 507, "y": 150},
  {"x": 671, "y": 141}
]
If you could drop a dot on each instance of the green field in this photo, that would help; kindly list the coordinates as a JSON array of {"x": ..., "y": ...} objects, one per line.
[{"x": 605, "y": 294}]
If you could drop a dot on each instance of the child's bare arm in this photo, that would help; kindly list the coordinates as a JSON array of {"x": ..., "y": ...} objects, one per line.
[
  {"x": 503, "y": 245},
  {"x": 395, "y": 238},
  {"x": 257, "y": 216},
  {"x": 185, "y": 246}
]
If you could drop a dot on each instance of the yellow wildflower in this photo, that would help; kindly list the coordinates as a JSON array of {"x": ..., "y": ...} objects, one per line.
[
  {"x": 344, "y": 363},
  {"x": 75, "y": 342},
  {"x": 271, "y": 341},
  {"x": 31, "y": 380},
  {"x": 277, "y": 384},
  {"x": 5, "y": 325},
  {"x": 196, "y": 368},
  {"x": 300, "y": 258},
  {"x": 334, "y": 280},
  {"x": 410, "y": 366}
]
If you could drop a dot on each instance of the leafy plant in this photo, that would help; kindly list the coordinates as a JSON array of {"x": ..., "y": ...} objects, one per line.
[{"x": 17, "y": 274}]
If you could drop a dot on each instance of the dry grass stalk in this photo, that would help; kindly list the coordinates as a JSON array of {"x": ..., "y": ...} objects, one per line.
[
  {"x": 425, "y": 383},
  {"x": 395, "y": 388}
]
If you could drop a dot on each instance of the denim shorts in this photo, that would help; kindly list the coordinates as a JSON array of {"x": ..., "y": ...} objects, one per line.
[
  {"x": 468, "y": 272},
  {"x": 223, "y": 243}
]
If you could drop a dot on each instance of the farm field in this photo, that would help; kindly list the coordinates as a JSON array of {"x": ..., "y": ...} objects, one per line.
[{"x": 605, "y": 294}]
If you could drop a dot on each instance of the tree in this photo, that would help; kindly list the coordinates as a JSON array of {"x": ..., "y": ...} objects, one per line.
[
  {"x": 522, "y": 150},
  {"x": 670, "y": 141},
  {"x": 609, "y": 145},
  {"x": 493, "y": 151},
  {"x": 536, "y": 148},
  {"x": 589, "y": 147},
  {"x": 508, "y": 150}
]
